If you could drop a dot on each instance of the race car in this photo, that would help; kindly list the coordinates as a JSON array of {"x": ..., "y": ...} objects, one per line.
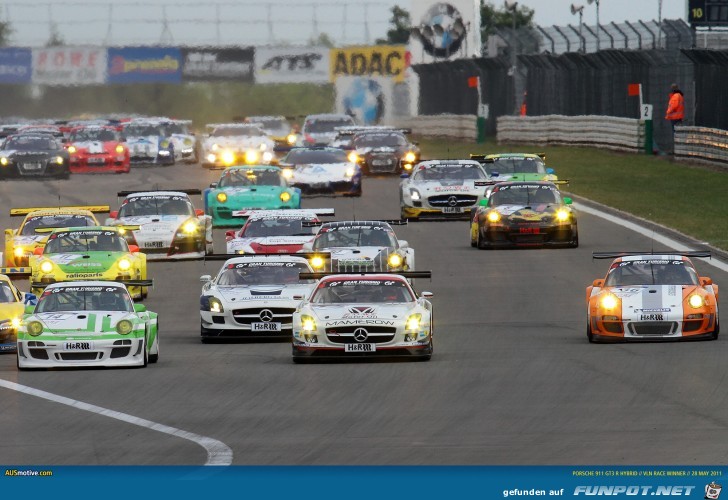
[
  {"x": 320, "y": 130},
  {"x": 275, "y": 231},
  {"x": 322, "y": 170},
  {"x": 441, "y": 189},
  {"x": 363, "y": 315},
  {"x": 504, "y": 167},
  {"x": 21, "y": 243},
  {"x": 236, "y": 144},
  {"x": 183, "y": 141},
  {"x": 87, "y": 323},
  {"x": 359, "y": 246},
  {"x": 98, "y": 253},
  {"x": 523, "y": 214},
  {"x": 33, "y": 155},
  {"x": 169, "y": 225},
  {"x": 253, "y": 296},
  {"x": 97, "y": 149},
  {"x": 649, "y": 296},
  {"x": 260, "y": 187},
  {"x": 277, "y": 128},
  {"x": 383, "y": 151},
  {"x": 12, "y": 307},
  {"x": 148, "y": 142}
]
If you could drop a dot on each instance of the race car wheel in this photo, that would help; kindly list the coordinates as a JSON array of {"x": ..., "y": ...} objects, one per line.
[
  {"x": 589, "y": 334},
  {"x": 716, "y": 332},
  {"x": 481, "y": 242},
  {"x": 153, "y": 358},
  {"x": 574, "y": 242},
  {"x": 146, "y": 353}
]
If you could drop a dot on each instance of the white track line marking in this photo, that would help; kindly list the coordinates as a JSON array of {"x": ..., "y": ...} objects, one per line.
[
  {"x": 218, "y": 453},
  {"x": 649, "y": 233}
]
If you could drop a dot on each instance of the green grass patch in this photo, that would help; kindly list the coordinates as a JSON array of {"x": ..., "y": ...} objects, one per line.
[{"x": 690, "y": 199}]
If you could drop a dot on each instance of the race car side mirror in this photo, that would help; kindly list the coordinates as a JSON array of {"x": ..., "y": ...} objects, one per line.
[
  {"x": 9, "y": 232},
  {"x": 205, "y": 278},
  {"x": 403, "y": 243},
  {"x": 550, "y": 171},
  {"x": 114, "y": 214},
  {"x": 404, "y": 175},
  {"x": 38, "y": 251},
  {"x": 133, "y": 248},
  {"x": 705, "y": 281},
  {"x": 213, "y": 185},
  {"x": 483, "y": 202},
  {"x": 568, "y": 201},
  {"x": 598, "y": 283},
  {"x": 229, "y": 235},
  {"x": 199, "y": 212},
  {"x": 140, "y": 308},
  {"x": 427, "y": 295}
]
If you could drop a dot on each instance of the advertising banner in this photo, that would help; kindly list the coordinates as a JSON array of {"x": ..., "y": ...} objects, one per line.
[
  {"x": 230, "y": 64},
  {"x": 145, "y": 65},
  {"x": 15, "y": 65},
  {"x": 292, "y": 65},
  {"x": 377, "y": 60},
  {"x": 69, "y": 66},
  {"x": 443, "y": 31}
]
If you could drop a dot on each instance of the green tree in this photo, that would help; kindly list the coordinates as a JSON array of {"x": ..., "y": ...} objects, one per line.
[
  {"x": 323, "y": 40},
  {"x": 400, "y": 32},
  {"x": 5, "y": 31},
  {"x": 55, "y": 39},
  {"x": 492, "y": 17}
]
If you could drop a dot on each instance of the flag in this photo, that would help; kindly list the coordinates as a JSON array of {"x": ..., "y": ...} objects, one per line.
[
  {"x": 473, "y": 81},
  {"x": 633, "y": 89}
]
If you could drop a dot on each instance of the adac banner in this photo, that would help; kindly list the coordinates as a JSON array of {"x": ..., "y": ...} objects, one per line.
[
  {"x": 15, "y": 65},
  {"x": 231, "y": 64},
  {"x": 377, "y": 60},
  {"x": 292, "y": 65},
  {"x": 145, "y": 65},
  {"x": 69, "y": 66}
]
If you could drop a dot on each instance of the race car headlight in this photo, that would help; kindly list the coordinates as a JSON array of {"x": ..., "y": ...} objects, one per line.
[
  {"x": 291, "y": 139},
  {"x": 394, "y": 260},
  {"x": 124, "y": 264},
  {"x": 187, "y": 142},
  {"x": 119, "y": 149},
  {"x": 353, "y": 157},
  {"x": 609, "y": 301},
  {"x": 72, "y": 149},
  {"x": 251, "y": 156},
  {"x": 215, "y": 147},
  {"x": 494, "y": 216},
  {"x": 696, "y": 301},
  {"x": 415, "y": 195},
  {"x": 228, "y": 157},
  {"x": 408, "y": 166},
  {"x": 308, "y": 324},
  {"x": 410, "y": 157},
  {"x": 3, "y": 161},
  {"x": 221, "y": 197},
  {"x": 19, "y": 251},
  {"x": 267, "y": 156},
  {"x": 285, "y": 196},
  {"x": 413, "y": 322},
  {"x": 58, "y": 160},
  {"x": 35, "y": 328},
  {"x": 317, "y": 262},
  {"x": 287, "y": 173},
  {"x": 263, "y": 146},
  {"x": 163, "y": 152},
  {"x": 164, "y": 144},
  {"x": 215, "y": 305},
  {"x": 350, "y": 172},
  {"x": 562, "y": 215},
  {"x": 46, "y": 266},
  {"x": 124, "y": 326},
  {"x": 189, "y": 227}
]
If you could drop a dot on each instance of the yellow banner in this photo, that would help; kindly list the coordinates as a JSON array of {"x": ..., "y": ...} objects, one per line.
[{"x": 376, "y": 60}]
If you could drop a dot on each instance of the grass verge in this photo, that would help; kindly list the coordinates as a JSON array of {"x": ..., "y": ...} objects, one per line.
[{"x": 688, "y": 198}]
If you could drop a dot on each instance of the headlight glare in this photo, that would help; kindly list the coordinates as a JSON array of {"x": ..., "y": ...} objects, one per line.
[
  {"x": 562, "y": 215},
  {"x": 46, "y": 266},
  {"x": 285, "y": 196},
  {"x": 410, "y": 157},
  {"x": 15, "y": 322},
  {"x": 415, "y": 195},
  {"x": 696, "y": 301},
  {"x": 394, "y": 260},
  {"x": 211, "y": 158},
  {"x": 609, "y": 301},
  {"x": 215, "y": 305},
  {"x": 119, "y": 149},
  {"x": 190, "y": 227},
  {"x": 124, "y": 264},
  {"x": 58, "y": 160},
  {"x": 494, "y": 216},
  {"x": 350, "y": 172},
  {"x": 221, "y": 197},
  {"x": 228, "y": 157},
  {"x": 251, "y": 156},
  {"x": 214, "y": 147},
  {"x": 287, "y": 173},
  {"x": 72, "y": 149},
  {"x": 308, "y": 324},
  {"x": 317, "y": 262},
  {"x": 3, "y": 161},
  {"x": 291, "y": 139},
  {"x": 19, "y": 251},
  {"x": 353, "y": 157},
  {"x": 413, "y": 321}
]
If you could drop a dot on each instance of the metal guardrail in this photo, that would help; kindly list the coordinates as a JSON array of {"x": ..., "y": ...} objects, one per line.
[
  {"x": 702, "y": 145},
  {"x": 444, "y": 125},
  {"x": 607, "y": 132}
]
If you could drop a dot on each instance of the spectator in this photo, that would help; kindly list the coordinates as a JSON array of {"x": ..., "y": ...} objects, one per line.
[{"x": 675, "y": 107}]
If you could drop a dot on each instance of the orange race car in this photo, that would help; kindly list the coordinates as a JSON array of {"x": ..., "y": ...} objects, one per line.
[{"x": 652, "y": 297}]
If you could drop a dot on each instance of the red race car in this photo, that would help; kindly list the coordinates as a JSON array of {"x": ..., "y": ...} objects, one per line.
[{"x": 97, "y": 149}]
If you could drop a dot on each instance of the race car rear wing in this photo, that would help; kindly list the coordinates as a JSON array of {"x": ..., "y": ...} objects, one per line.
[
  {"x": 376, "y": 128},
  {"x": 703, "y": 254},
  {"x": 15, "y": 212},
  {"x": 185, "y": 191},
  {"x": 304, "y": 255},
  {"x": 121, "y": 228},
  {"x": 16, "y": 272},
  {"x": 404, "y": 274},
  {"x": 392, "y": 222},
  {"x": 38, "y": 284},
  {"x": 482, "y": 157},
  {"x": 329, "y": 212}
]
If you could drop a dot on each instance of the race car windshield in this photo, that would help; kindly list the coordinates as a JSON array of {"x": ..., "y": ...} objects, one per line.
[
  {"x": 28, "y": 143},
  {"x": 262, "y": 228},
  {"x": 237, "y": 132},
  {"x": 466, "y": 173},
  {"x": 262, "y": 273},
  {"x": 177, "y": 128},
  {"x": 101, "y": 135},
  {"x": 33, "y": 223},
  {"x": 516, "y": 166},
  {"x": 326, "y": 126},
  {"x": 85, "y": 298},
  {"x": 654, "y": 272},
  {"x": 85, "y": 241},
  {"x": 271, "y": 124},
  {"x": 524, "y": 195},
  {"x": 362, "y": 292},
  {"x": 309, "y": 156},
  {"x": 242, "y": 178},
  {"x": 156, "y": 205},
  {"x": 6, "y": 293},
  {"x": 355, "y": 236},
  {"x": 143, "y": 130},
  {"x": 369, "y": 140}
]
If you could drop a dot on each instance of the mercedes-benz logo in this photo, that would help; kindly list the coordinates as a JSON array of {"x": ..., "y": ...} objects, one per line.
[
  {"x": 452, "y": 201},
  {"x": 360, "y": 334},
  {"x": 266, "y": 315}
]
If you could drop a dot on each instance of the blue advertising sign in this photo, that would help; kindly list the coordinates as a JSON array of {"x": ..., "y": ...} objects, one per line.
[
  {"x": 15, "y": 65},
  {"x": 145, "y": 65}
]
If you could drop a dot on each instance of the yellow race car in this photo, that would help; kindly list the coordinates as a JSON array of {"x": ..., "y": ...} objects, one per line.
[
  {"x": 97, "y": 253},
  {"x": 12, "y": 306},
  {"x": 21, "y": 243}
]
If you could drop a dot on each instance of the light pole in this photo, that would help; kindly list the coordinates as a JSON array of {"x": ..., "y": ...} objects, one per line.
[
  {"x": 598, "y": 27},
  {"x": 579, "y": 9}
]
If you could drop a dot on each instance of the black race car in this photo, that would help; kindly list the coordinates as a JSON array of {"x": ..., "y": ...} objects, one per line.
[
  {"x": 33, "y": 155},
  {"x": 383, "y": 151}
]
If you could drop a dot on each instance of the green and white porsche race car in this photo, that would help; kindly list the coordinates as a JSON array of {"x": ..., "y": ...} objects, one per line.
[{"x": 87, "y": 323}]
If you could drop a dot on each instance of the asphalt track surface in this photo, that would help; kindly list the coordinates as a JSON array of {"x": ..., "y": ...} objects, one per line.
[{"x": 513, "y": 379}]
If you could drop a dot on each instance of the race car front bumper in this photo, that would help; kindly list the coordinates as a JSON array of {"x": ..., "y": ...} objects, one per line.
[
  {"x": 240, "y": 323},
  {"x": 435, "y": 213},
  {"x": 528, "y": 235},
  {"x": 628, "y": 330},
  {"x": 49, "y": 353}
]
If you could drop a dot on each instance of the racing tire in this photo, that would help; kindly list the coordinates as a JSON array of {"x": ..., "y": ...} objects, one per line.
[
  {"x": 146, "y": 353},
  {"x": 575, "y": 242},
  {"x": 153, "y": 358},
  {"x": 716, "y": 332},
  {"x": 480, "y": 243},
  {"x": 589, "y": 334}
]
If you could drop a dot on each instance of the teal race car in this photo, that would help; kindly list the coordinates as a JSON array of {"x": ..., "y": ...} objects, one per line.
[
  {"x": 253, "y": 187},
  {"x": 87, "y": 323}
]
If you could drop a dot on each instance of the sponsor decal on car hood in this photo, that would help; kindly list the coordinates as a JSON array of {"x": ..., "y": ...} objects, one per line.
[
  {"x": 81, "y": 322},
  {"x": 263, "y": 293},
  {"x": 652, "y": 302},
  {"x": 321, "y": 173}
]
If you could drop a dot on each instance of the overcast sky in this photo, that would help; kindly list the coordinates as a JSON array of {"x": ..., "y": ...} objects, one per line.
[{"x": 251, "y": 22}]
